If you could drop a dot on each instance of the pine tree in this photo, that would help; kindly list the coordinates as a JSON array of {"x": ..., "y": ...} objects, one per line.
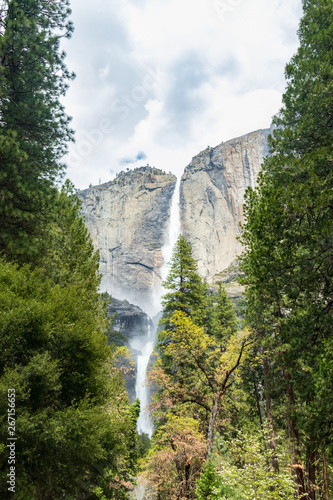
[
  {"x": 34, "y": 129},
  {"x": 187, "y": 294},
  {"x": 68, "y": 254},
  {"x": 187, "y": 291},
  {"x": 77, "y": 430},
  {"x": 288, "y": 237},
  {"x": 224, "y": 318}
]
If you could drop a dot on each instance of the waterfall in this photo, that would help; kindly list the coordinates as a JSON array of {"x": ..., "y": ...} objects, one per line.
[
  {"x": 144, "y": 423},
  {"x": 172, "y": 234},
  {"x": 173, "y": 230}
]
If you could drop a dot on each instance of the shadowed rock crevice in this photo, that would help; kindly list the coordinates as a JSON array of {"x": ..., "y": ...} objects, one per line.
[{"x": 151, "y": 269}]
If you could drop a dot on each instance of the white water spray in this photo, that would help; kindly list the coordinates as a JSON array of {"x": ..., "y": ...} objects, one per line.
[
  {"x": 173, "y": 230},
  {"x": 144, "y": 423},
  {"x": 172, "y": 234}
]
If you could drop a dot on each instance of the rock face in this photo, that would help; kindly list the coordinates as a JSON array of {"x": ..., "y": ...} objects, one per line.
[
  {"x": 135, "y": 325},
  {"x": 127, "y": 219},
  {"x": 211, "y": 198},
  {"x": 130, "y": 319}
]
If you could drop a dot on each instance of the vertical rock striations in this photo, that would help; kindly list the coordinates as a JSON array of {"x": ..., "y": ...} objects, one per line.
[
  {"x": 212, "y": 195},
  {"x": 127, "y": 219}
]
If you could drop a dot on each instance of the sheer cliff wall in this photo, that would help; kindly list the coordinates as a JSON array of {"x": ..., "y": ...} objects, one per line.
[{"x": 211, "y": 199}]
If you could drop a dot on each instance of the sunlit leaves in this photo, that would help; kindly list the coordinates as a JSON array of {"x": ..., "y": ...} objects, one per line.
[{"x": 176, "y": 458}]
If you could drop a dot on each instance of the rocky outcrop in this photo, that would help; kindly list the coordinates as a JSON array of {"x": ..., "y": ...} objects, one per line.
[
  {"x": 211, "y": 199},
  {"x": 127, "y": 220},
  {"x": 135, "y": 327},
  {"x": 130, "y": 320}
]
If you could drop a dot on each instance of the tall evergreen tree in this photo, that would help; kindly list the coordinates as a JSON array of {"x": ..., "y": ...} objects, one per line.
[
  {"x": 187, "y": 291},
  {"x": 187, "y": 294},
  {"x": 76, "y": 428},
  {"x": 288, "y": 237},
  {"x": 68, "y": 254},
  {"x": 223, "y": 319},
  {"x": 34, "y": 129}
]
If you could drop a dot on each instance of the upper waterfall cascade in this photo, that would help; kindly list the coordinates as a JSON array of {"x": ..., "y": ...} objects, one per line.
[
  {"x": 172, "y": 233},
  {"x": 173, "y": 230}
]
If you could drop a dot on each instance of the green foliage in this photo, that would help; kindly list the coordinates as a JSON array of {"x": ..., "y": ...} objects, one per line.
[
  {"x": 202, "y": 352},
  {"x": 208, "y": 483},
  {"x": 76, "y": 430},
  {"x": 305, "y": 119},
  {"x": 288, "y": 239},
  {"x": 187, "y": 291},
  {"x": 187, "y": 294},
  {"x": 143, "y": 444},
  {"x": 201, "y": 349},
  {"x": 222, "y": 318},
  {"x": 68, "y": 254},
  {"x": 200, "y": 372},
  {"x": 239, "y": 469},
  {"x": 34, "y": 128},
  {"x": 71, "y": 403}
]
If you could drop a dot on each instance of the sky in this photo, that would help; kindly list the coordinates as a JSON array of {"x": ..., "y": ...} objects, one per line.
[{"x": 160, "y": 80}]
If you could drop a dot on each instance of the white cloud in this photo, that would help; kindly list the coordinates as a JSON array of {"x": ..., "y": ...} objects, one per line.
[{"x": 169, "y": 77}]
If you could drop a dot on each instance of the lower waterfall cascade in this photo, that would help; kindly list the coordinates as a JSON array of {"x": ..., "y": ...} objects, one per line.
[{"x": 144, "y": 423}]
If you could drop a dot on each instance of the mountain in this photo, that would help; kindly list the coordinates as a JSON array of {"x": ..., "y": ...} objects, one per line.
[{"x": 128, "y": 217}]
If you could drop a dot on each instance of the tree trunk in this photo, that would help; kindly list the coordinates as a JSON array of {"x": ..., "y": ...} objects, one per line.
[
  {"x": 298, "y": 457},
  {"x": 325, "y": 477},
  {"x": 291, "y": 450},
  {"x": 260, "y": 417},
  {"x": 217, "y": 401},
  {"x": 212, "y": 419},
  {"x": 312, "y": 474},
  {"x": 258, "y": 404},
  {"x": 272, "y": 442},
  {"x": 187, "y": 478}
]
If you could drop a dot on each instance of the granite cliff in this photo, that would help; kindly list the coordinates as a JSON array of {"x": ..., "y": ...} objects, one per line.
[
  {"x": 127, "y": 219},
  {"x": 211, "y": 199}
]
